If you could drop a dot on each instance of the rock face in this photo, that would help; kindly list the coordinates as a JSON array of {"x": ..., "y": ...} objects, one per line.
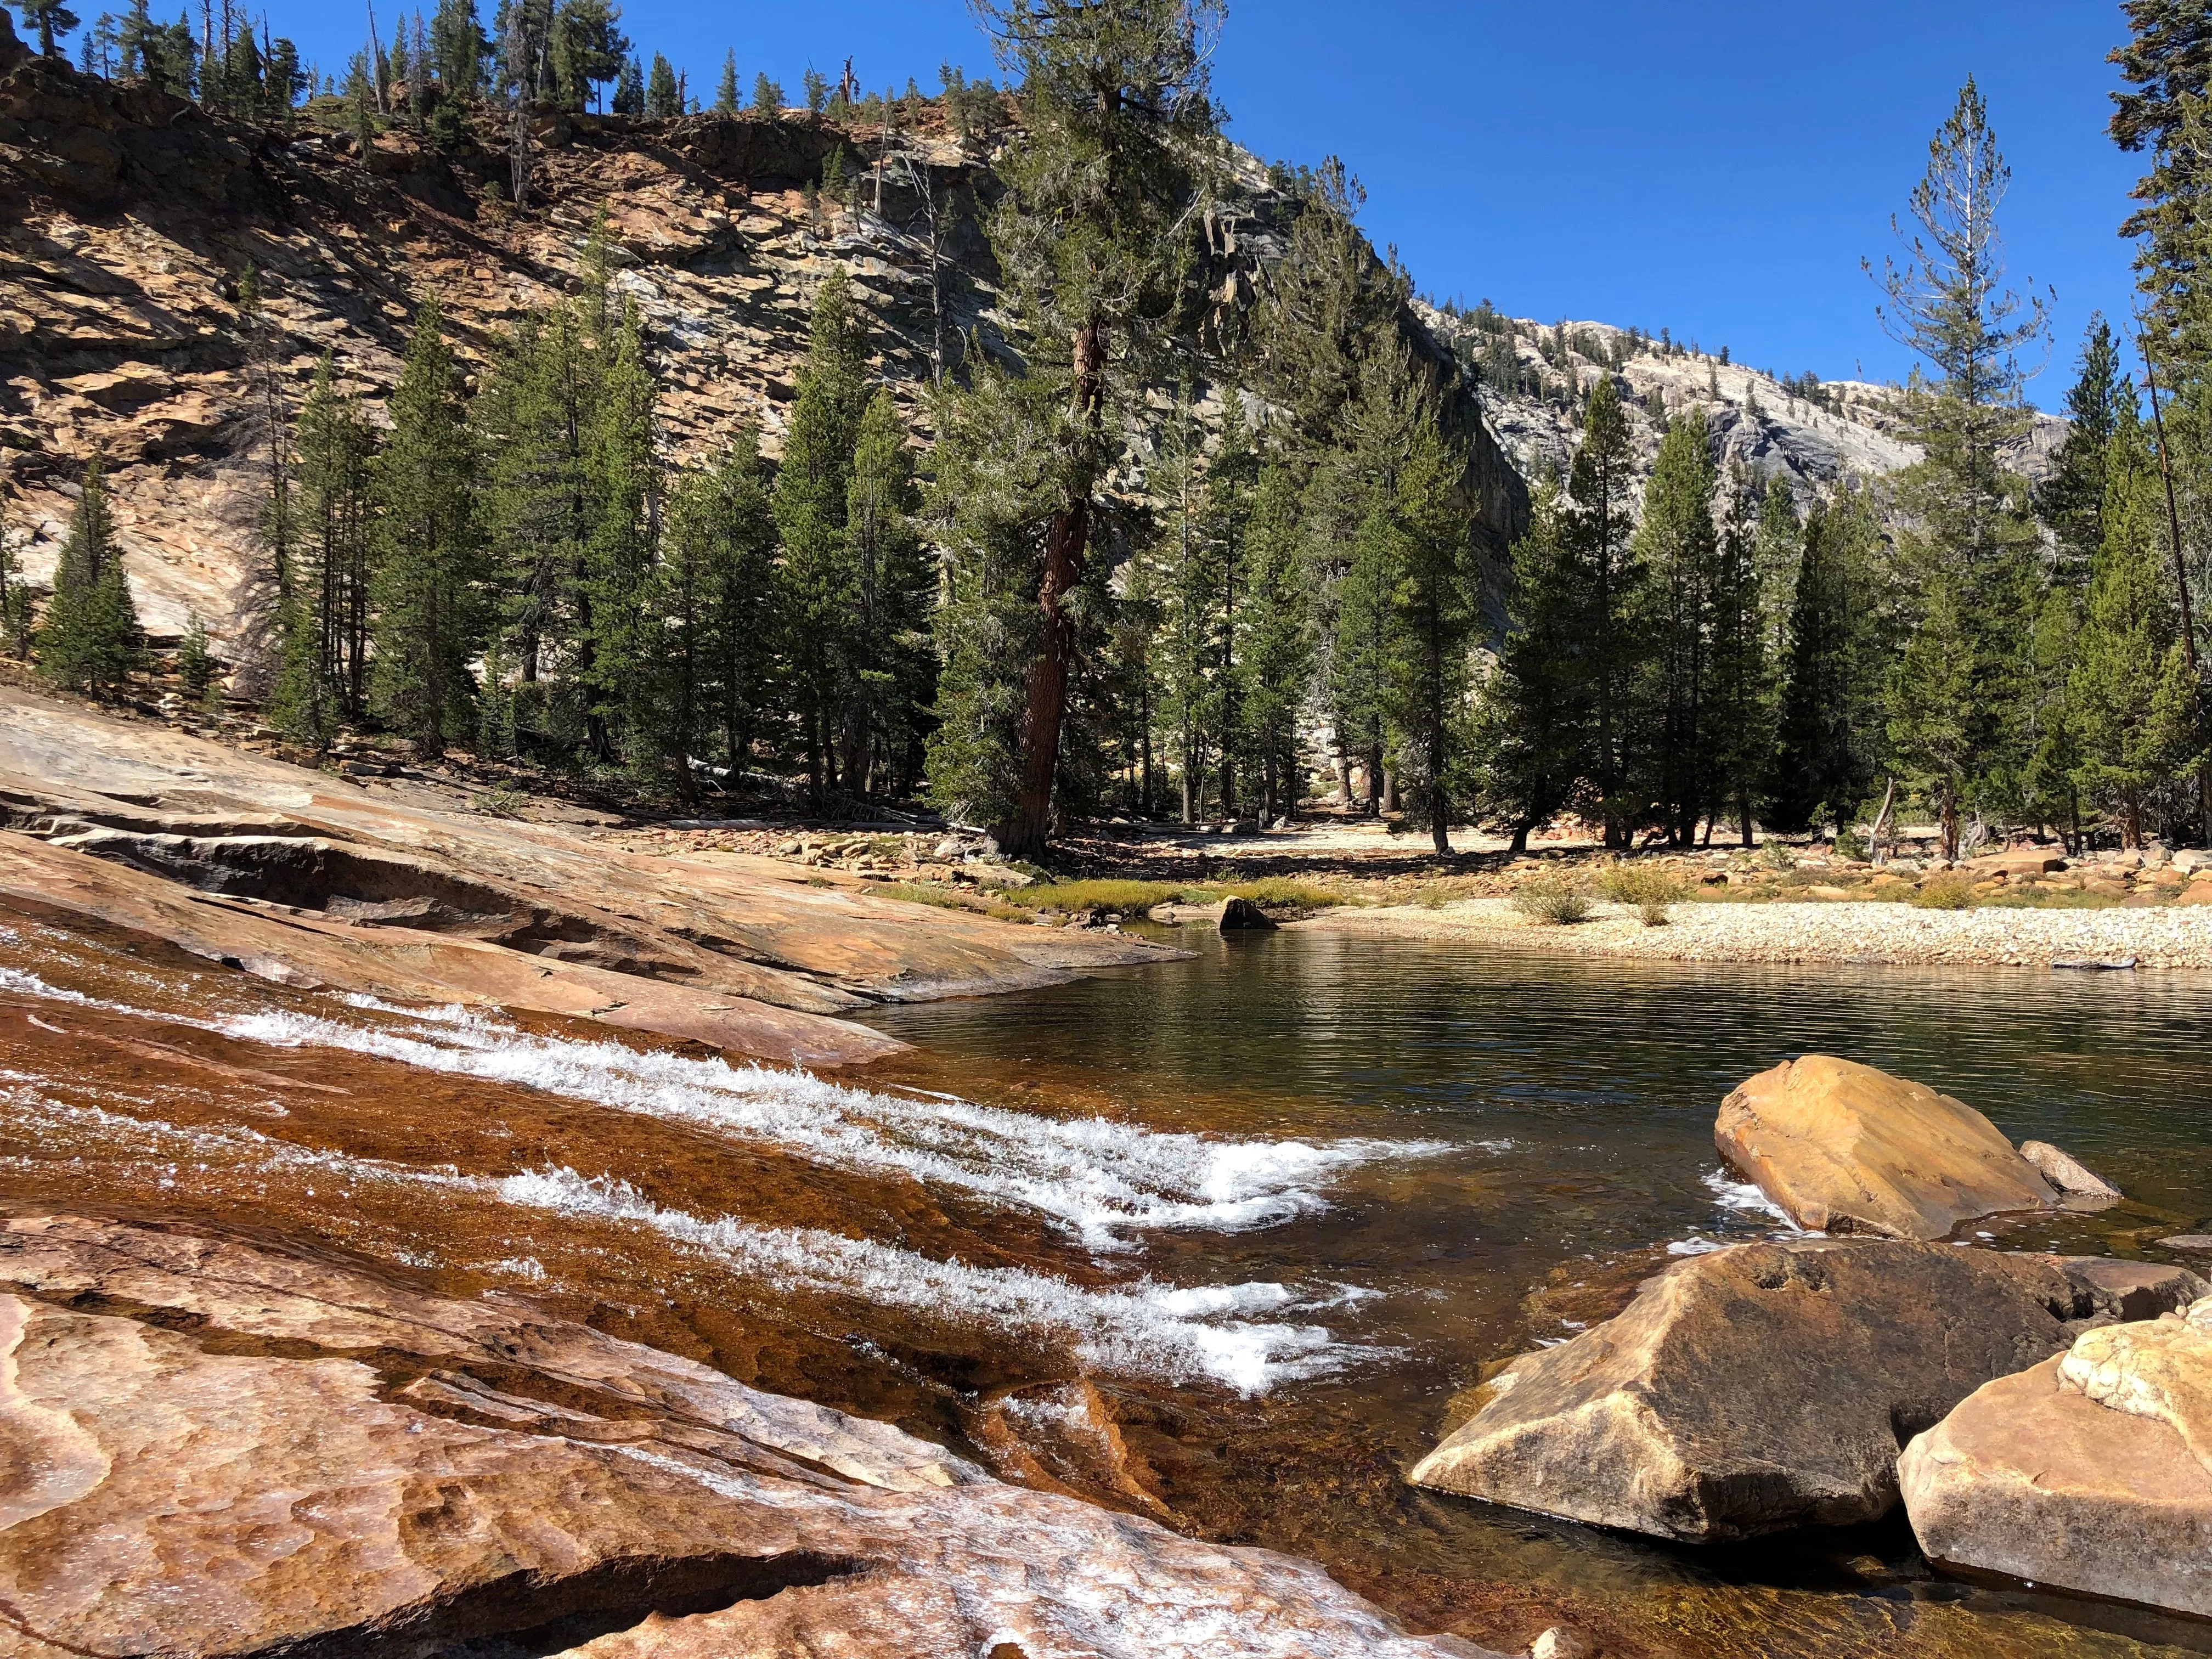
[
  {"x": 1844, "y": 1148},
  {"x": 398, "y": 891},
  {"x": 126, "y": 217},
  {"x": 207, "y": 1448},
  {"x": 1769, "y": 1386},
  {"x": 2092, "y": 1472}
]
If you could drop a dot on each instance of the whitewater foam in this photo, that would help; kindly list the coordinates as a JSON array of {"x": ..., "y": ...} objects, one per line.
[
  {"x": 1234, "y": 1335},
  {"x": 1101, "y": 1178}
]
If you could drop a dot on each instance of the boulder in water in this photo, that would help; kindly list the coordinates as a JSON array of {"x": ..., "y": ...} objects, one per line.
[
  {"x": 1767, "y": 1386},
  {"x": 2091, "y": 1472},
  {"x": 1842, "y": 1147},
  {"x": 2067, "y": 1172},
  {"x": 1240, "y": 914}
]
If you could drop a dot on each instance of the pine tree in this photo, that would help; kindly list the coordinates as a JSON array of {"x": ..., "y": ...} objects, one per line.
[
  {"x": 720, "y": 518},
  {"x": 92, "y": 641},
  {"x": 726, "y": 90},
  {"x": 623, "y": 491},
  {"x": 1534, "y": 718},
  {"x": 426, "y": 583},
  {"x": 1092, "y": 275},
  {"x": 1969, "y": 538},
  {"x": 1739, "y": 744},
  {"x": 1677, "y": 546},
  {"x": 2167, "y": 62},
  {"x": 53, "y": 19},
  {"x": 1931, "y": 699},
  {"x": 1435, "y": 612},
  {"x": 1275, "y": 664},
  {"x": 16, "y": 625},
  {"x": 196, "y": 664},
  {"x": 2133, "y": 702},
  {"x": 990, "y": 504},
  {"x": 2070, "y": 500},
  {"x": 819, "y": 584},
  {"x": 767, "y": 97},
  {"x": 330, "y": 650},
  {"x": 629, "y": 88},
  {"x": 1599, "y": 485},
  {"x": 1776, "y": 552},
  {"x": 1827, "y": 730},
  {"x": 815, "y": 89},
  {"x": 661, "y": 100},
  {"x": 895, "y": 677}
]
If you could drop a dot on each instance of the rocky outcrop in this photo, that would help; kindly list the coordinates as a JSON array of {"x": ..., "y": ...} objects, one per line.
[
  {"x": 1769, "y": 1386},
  {"x": 1535, "y": 377},
  {"x": 1844, "y": 1148},
  {"x": 126, "y": 218},
  {"x": 211, "y": 1448},
  {"x": 2092, "y": 1472},
  {"x": 397, "y": 889}
]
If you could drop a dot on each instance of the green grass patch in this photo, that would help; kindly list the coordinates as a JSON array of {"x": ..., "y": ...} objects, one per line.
[
  {"x": 2050, "y": 898},
  {"x": 948, "y": 898},
  {"x": 1127, "y": 897},
  {"x": 1286, "y": 892}
]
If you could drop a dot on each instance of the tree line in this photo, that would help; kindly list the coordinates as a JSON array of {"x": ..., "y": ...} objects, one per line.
[{"x": 1166, "y": 555}]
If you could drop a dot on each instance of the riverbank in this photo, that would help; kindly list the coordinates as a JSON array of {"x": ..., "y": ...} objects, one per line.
[{"x": 1825, "y": 930}]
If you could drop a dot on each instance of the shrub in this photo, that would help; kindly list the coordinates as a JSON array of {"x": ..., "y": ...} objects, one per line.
[
  {"x": 1775, "y": 855},
  {"x": 1849, "y": 844},
  {"x": 1643, "y": 884},
  {"x": 1551, "y": 902},
  {"x": 1944, "y": 893},
  {"x": 502, "y": 803},
  {"x": 1652, "y": 913}
]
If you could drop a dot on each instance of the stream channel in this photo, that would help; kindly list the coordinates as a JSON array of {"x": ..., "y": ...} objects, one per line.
[{"x": 1216, "y": 1242}]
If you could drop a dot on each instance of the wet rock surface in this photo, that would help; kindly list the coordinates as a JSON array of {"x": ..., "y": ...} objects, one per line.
[
  {"x": 1843, "y": 1147},
  {"x": 2092, "y": 1471},
  {"x": 207, "y": 1446},
  {"x": 400, "y": 891},
  {"x": 1765, "y": 1387}
]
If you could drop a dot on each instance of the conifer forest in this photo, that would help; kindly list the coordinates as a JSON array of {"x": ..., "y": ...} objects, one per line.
[{"x": 1135, "y": 549}]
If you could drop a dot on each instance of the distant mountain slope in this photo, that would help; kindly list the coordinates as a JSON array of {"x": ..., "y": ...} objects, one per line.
[{"x": 1810, "y": 433}]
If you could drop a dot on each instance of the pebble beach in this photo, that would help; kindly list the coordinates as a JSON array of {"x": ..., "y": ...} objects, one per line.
[{"x": 2151, "y": 938}]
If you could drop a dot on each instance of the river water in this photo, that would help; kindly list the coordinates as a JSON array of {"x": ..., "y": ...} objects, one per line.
[{"x": 1216, "y": 1241}]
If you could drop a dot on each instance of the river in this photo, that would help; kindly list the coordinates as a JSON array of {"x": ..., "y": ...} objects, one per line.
[{"x": 1216, "y": 1240}]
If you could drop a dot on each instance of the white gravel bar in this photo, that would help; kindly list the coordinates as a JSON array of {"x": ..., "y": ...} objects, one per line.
[{"x": 2179, "y": 936}]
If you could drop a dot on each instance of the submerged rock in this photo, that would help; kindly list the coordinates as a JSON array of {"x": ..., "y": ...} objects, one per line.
[
  {"x": 1239, "y": 914},
  {"x": 208, "y": 1447},
  {"x": 1769, "y": 1386},
  {"x": 1842, "y": 1147},
  {"x": 2092, "y": 1472},
  {"x": 2067, "y": 1172}
]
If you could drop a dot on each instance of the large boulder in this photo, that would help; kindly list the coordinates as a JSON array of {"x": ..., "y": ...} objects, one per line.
[
  {"x": 2092, "y": 1472},
  {"x": 209, "y": 1448},
  {"x": 1769, "y": 1386},
  {"x": 1844, "y": 1148}
]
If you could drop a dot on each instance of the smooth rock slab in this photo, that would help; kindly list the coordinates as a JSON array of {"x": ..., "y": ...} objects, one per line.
[
  {"x": 1769, "y": 1386},
  {"x": 2039, "y": 1482},
  {"x": 208, "y": 1447},
  {"x": 1842, "y": 1147}
]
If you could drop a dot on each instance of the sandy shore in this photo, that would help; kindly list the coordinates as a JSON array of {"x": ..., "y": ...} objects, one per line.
[{"x": 1845, "y": 931}]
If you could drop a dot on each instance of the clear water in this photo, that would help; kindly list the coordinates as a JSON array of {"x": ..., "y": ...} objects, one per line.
[
  {"x": 1217, "y": 1241},
  {"x": 1576, "y": 1098}
]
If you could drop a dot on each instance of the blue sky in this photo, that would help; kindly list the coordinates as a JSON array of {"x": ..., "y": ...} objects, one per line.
[{"x": 1716, "y": 169}]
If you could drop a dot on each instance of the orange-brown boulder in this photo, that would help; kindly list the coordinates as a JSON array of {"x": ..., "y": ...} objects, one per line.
[{"x": 1844, "y": 1148}]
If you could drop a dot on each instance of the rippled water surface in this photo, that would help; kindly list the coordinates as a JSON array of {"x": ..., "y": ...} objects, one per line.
[
  {"x": 1217, "y": 1241},
  {"x": 1575, "y": 1101}
]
